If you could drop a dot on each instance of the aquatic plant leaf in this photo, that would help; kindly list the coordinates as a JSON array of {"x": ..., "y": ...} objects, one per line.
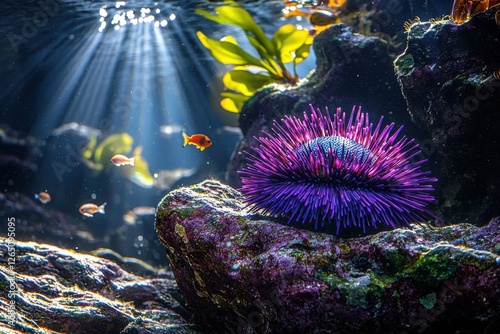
[
  {"x": 239, "y": 17},
  {"x": 303, "y": 52},
  {"x": 227, "y": 52},
  {"x": 120, "y": 143},
  {"x": 288, "y": 44},
  {"x": 140, "y": 174},
  {"x": 233, "y": 102},
  {"x": 245, "y": 82},
  {"x": 267, "y": 61},
  {"x": 88, "y": 149},
  {"x": 289, "y": 39}
]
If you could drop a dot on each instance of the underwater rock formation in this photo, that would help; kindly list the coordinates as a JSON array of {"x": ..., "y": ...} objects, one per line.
[
  {"x": 352, "y": 69},
  {"x": 242, "y": 273},
  {"x": 18, "y": 157},
  {"x": 447, "y": 76},
  {"x": 40, "y": 223},
  {"x": 60, "y": 291}
]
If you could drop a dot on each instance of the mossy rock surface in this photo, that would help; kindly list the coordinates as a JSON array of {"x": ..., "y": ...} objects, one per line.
[{"x": 240, "y": 272}]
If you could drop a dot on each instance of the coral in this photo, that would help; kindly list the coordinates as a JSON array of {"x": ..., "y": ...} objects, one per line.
[
  {"x": 337, "y": 174},
  {"x": 243, "y": 274}
]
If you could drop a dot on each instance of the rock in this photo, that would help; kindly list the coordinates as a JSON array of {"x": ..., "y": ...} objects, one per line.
[
  {"x": 18, "y": 157},
  {"x": 40, "y": 223},
  {"x": 446, "y": 74},
  {"x": 352, "y": 69},
  {"x": 61, "y": 291},
  {"x": 242, "y": 273}
]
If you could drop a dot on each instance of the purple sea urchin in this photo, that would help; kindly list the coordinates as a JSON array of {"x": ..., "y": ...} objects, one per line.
[{"x": 337, "y": 174}]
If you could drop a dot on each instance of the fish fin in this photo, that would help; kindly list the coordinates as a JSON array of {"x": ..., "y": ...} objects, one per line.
[
  {"x": 132, "y": 161},
  {"x": 88, "y": 214},
  {"x": 201, "y": 148},
  {"x": 186, "y": 139},
  {"x": 101, "y": 208},
  {"x": 36, "y": 196}
]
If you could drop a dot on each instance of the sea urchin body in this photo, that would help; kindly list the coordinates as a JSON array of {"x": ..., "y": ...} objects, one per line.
[{"x": 336, "y": 174}]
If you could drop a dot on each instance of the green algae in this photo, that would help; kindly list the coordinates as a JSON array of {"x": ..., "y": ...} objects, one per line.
[
  {"x": 428, "y": 269},
  {"x": 363, "y": 292},
  {"x": 428, "y": 301},
  {"x": 404, "y": 64},
  {"x": 397, "y": 259},
  {"x": 432, "y": 267},
  {"x": 331, "y": 279},
  {"x": 441, "y": 262}
]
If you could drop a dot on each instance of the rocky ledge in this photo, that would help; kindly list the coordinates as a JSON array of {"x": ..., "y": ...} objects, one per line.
[
  {"x": 46, "y": 289},
  {"x": 447, "y": 75},
  {"x": 245, "y": 274}
]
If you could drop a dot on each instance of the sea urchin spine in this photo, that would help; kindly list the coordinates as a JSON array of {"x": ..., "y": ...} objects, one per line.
[{"x": 337, "y": 174}]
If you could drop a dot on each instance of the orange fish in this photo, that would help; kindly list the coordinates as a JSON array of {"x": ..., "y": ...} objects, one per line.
[
  {"x": 199, "y": 140},
  {"x": 121, "y": 160},
  {"x": 43, "y": 197},
  {"x": 496, "y": 74},
  {"x": 88, "y": 209}
]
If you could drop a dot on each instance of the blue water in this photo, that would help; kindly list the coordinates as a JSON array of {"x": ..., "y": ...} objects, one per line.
[{"x": 131, "y": 66}]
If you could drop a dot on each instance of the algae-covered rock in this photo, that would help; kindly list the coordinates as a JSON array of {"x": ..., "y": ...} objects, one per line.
[
  {"x": 243, "y": 273},
  {"x": 46, "y": 289},
  {"x": 447, "y": 77}
]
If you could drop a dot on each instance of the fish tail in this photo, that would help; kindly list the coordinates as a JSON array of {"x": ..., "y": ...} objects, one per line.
[
  {"x": 132, "y": 161},
  {"x": 186, "y": 139},
  {"x": 101, "y": 208}
]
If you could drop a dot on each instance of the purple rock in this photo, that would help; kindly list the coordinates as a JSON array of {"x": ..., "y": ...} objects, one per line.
[
  {"x": 446, "y": 75},
  {"x": 243, "y": 273}
]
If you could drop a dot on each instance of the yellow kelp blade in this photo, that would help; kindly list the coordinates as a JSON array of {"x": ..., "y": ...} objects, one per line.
[
  {"x": 239, "y": 17},
  {"x": 245, "y": 82},
  {"x": 288, "y": 39},
  {"x": 139, "y": 173},
  {"x": 227, "y": 51},
  {"x": 120, "y": 143},
  {"x": 88, "y": 149},
  {"x": 233, "y": 102}
]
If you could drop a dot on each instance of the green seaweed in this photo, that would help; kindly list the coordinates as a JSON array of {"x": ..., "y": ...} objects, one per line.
[
  {"x": 443, "y": 261},
  {"x": 289, "y": 44},
  {"x": 432, "y": 267}
]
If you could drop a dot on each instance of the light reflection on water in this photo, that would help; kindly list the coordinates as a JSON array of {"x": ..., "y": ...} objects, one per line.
[{"x": 126, "y": 66}]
